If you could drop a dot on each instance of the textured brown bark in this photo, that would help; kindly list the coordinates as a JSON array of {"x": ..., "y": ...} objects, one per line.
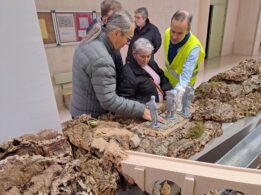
[
  {"x": 86, "y": 157},
  {"x": 231, "y": 95}
]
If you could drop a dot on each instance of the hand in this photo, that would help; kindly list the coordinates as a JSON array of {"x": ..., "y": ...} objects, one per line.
[
  {"x": 146, "y": 115},
  {"x": 174, "y": 91},
  {"x": 180, "y": 89},
  {"x": 162, "y": 120},
  {"x": 171, "y": 92}
]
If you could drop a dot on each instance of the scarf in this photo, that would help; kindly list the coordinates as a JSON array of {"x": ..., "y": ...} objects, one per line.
[{"x": 173, "y": 48}]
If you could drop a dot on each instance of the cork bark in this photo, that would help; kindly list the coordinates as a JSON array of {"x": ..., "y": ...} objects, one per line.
[{"x": 85, "y": 158}]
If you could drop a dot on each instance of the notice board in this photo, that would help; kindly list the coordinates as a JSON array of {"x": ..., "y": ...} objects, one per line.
[
  {"x": 47, "y": 27},
  {"x": 72, "y": 25},
  {"x": 62, "y": 27}
]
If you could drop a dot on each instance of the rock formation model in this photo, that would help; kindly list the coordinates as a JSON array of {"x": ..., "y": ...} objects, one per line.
[{"x": 86, "y": 157}]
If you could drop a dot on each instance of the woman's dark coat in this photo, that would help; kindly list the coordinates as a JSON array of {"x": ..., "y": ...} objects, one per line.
[{"x": 136, "y": 84}]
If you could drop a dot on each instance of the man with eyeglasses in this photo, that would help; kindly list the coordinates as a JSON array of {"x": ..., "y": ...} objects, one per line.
[
  {"x": 108, "y": 7},
  {"x": 94, "y": 72}
]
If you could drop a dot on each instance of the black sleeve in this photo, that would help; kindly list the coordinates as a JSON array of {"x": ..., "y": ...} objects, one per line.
[
  {"x": 129, "y": 56},
  {"x": 127, "y": 84},
  {"x": 156, "y": 41},
  {"x": 117, "y": 59}
]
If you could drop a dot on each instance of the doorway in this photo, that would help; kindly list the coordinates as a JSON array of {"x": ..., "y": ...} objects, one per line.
[{"x": 216, "y": 24}]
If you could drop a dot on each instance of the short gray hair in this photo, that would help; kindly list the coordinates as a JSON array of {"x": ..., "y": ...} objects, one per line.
[
  {"x": 142, "y": 44},
  {"x": 109, "y": 5},
  {"x": 181, "y": 15},
  {"x": 143, "y": 11},
  {"x": 121, "y": 19}
]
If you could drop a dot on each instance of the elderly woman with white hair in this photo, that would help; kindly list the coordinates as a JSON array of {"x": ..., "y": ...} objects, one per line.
[{"x": 141, "y": 77}]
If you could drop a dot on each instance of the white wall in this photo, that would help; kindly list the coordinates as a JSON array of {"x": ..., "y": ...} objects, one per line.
[
  {"x": 230, "y": 27},
  {"x": 247, "y": 20},
  {"x": 257, "y": 45},
  {"x": 27, "y": 103},
  {"x": 203, "y": 21}
]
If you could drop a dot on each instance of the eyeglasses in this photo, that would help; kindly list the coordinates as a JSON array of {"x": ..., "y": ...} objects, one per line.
[
  {"x": 127, "y": 36},
  {"x": 138, "y": 17}
]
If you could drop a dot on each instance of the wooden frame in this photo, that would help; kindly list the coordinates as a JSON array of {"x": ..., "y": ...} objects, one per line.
[
  {"x": 64, "y": 27},
  {"x": 194, "y": 178},
  {"x": 47, "y": 26}
]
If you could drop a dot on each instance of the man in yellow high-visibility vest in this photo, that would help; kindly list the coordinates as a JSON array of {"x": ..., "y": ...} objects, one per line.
[{"x": 183, "y": 52}]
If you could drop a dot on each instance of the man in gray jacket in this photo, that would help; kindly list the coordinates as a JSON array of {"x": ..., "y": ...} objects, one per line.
[{"x": 94, "y": 72}]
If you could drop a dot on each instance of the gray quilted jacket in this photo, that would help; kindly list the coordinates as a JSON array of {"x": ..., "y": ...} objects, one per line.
[{"x": 94, "y": 82}]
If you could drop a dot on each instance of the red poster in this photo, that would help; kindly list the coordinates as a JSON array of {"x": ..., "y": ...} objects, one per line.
[{"x": 82, "y": 21}]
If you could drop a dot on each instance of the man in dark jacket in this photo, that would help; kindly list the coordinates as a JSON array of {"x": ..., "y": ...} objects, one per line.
[{"x": 144, "y": 29}]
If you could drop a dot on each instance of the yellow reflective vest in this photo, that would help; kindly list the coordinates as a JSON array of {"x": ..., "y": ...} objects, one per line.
[{"x": 173, "y": 70}]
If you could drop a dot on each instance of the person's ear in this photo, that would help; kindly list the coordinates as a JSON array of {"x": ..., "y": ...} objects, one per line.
[
  {"x": 118, "y": 32},
  {"x": 115, "y": 32}
]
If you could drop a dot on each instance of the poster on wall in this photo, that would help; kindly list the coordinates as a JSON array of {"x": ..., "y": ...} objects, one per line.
[
  {"x": 47, "y": 28},
  {"x": 83, "y": 21},
  {"x": 66, "y": 27}
]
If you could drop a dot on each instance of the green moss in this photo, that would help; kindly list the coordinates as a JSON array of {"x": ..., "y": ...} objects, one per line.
[
  {"x": 93, "y": 123},
  {"x": 205, "y": 103},
  {"x": 214, "y": 84},
  {"x": 196, "y": 131},
  {"x": 200, "y": 91}
]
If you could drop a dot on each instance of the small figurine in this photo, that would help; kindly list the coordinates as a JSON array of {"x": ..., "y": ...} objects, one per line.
[
  {"x": 187, "y": 101},
  {"x": 178, "y": 98},
  {"x": 170, "y": 102},
  {"x": 166, "y": 188},
  {"x": 153, "y": 112}
]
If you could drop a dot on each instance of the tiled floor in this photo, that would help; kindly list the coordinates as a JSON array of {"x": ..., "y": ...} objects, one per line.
[{"x": 211, "y": 67}]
